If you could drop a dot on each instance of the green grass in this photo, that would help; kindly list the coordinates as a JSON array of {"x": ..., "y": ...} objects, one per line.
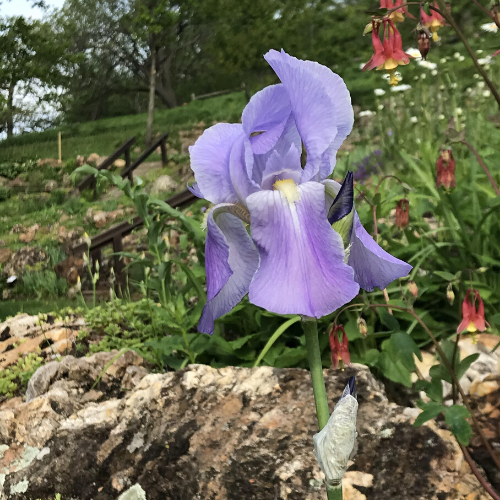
[
  {"x": 104, "y": 136},
  {"x": 10, "y": 308}
]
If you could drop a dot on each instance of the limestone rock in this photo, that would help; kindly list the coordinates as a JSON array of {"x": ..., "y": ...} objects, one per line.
[
  {"x": 48, "y": 162},
  {"x": 80, "y": 160},
  {"x": 5, "y": 254},
  {"x": 164, "y": 184},
  {"x": 120, "y": 163},
  {"x": 50, "y": 186},
  {"x": 93, "y": 158},
  {"x": 25, "y": 256},
  {"x": 215, "y": 434}
]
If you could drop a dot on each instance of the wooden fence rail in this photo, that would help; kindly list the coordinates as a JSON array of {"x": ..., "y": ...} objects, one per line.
[{"x": 114, "y": 236}]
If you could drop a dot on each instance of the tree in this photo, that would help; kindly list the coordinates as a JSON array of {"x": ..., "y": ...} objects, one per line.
[{"x": 29, "y": 55}]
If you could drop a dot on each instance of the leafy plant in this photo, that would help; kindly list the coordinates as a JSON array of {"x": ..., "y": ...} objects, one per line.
[{"x": 17, "y": 376}]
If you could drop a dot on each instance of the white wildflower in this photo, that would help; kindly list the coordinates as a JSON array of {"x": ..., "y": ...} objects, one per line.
[
  {"x": 434, "y": 72},
  {"x": 414, "y": 119},
  {"x": 423, "y": 76},
  {"x": 459, "y": 111},
  {"x": 443, "y": 60},
  {"x": 441, "y": 117},
  {"x": 480, "y": 85},
  {"x": 457, "y": 55},
  {"x": 380, "y": 106},
  {"x": 427, "y": 64},
  {"x": 379, "y": 92},
  {"x": 415, "y": 53},
  {"x": 490, "y": 27},
  {"x": 485, "y": 60},
  {"x": 400, "y": 88},
  {"x": 486, "y": 93},
  {"x": 366, "y": 112}
]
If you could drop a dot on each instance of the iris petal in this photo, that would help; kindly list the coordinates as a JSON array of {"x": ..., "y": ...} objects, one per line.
[
  {"x": 267, "y": 112},
  {"x": 231, "y": 260},
  {"x": 312, "y": 107},
  {"x": 301, "y": 269},
  {"x": 210, "y": 162},
  {"x": 372, "y": 265}
]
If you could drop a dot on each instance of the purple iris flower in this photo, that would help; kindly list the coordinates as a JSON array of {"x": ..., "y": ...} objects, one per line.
[{"x": 293, "y": 261}]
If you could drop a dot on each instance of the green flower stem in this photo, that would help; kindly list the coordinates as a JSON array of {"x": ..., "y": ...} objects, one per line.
[
  {"x": 310, "y": 327},
  {"x": 334, "y": 492}
]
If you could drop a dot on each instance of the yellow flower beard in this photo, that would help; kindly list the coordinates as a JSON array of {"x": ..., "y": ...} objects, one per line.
[
  {"x": 289, "y": 189},
  {"x": 471, "y": 327}
]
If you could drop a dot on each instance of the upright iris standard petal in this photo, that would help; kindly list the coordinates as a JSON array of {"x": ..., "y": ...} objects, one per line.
[
  {"x": 372, "y": 265},
  {"x": 241, "y": 162},
  {"x": 266, "y": 113},
  {"x": 301, "y": 269},
  {"x": 312, "y": 107},
  {"x": 231, "y": 260},
  {"x": 210, "y": 162}
]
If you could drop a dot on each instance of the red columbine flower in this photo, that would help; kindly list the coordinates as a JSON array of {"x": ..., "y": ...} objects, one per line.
[
  {"x": 472, "y": 313},
  {"x": 389, "y": 55},
  {"x": 402, "y": 213},
  {"x": 398, "y": 15},
  {"x": 433, "y": 22},
  {"x": 446, "y": 170},
  {"x": 340, "y": 350}
]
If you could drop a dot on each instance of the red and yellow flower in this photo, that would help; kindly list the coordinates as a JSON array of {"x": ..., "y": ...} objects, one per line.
[
  {"x": 398, "y": 15},
  {"x": 434, "y": 21},
  {"x": 472, "y": 313},
  {"x": 340, "y": 350},
  {"x": 389, "y": 54}
]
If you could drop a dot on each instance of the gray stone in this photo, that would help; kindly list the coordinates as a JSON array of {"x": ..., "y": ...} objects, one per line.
[
  {"x": 133, "y": 493},
  {"x": 41, "y": 380},
  {"x": 50, "y": 186}
]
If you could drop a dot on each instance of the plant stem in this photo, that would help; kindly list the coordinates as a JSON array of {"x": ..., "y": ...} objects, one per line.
[
  {"x": 310, "y": 327},
  {"x": 487, "y": 486},
  {"x": 484, "y": 167},
  {"x": 186, "y": 341},
  {"x": 334, "y": 492}
]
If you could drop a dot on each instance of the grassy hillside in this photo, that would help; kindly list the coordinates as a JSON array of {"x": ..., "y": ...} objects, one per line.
[{"x": 104, "y": 136}]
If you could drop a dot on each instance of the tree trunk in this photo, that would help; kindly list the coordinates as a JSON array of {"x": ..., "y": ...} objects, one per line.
[
  {"x": 152, "y": 92},
  {"x": 10, "y": 111},
  {"x": 165, "y": 91}
]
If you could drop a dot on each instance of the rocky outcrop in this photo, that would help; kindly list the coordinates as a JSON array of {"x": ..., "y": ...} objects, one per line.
[
  {"x": 211, "y": 434},
  {"x": 25, "y": 256}
]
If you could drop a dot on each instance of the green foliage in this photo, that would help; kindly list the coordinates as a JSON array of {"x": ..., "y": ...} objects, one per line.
[
  {"x": 43, "y": 284},
  {"x": 5, "y": 193},
  {"x": 11, "y": 170},
  {"x": 17, "y": 376},
  {"x": 456, "y": 417}
]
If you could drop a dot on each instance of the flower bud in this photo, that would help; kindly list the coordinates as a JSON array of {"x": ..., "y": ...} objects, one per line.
[
  {"x": 87, "y": 239},
  {"x": 402, "y": 213},
  {"x": 450, "y": 295},
  {"x": 334, "y": 444},
  {"x": 363, "y": 329}
]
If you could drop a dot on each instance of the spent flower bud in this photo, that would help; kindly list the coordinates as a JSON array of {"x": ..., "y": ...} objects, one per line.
[
  {"x": 412, "y": 288},
  {"x": 334, "y": 444},
  {"x": 363, "y": 329},
  {"x": 424, "y": 43}
]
